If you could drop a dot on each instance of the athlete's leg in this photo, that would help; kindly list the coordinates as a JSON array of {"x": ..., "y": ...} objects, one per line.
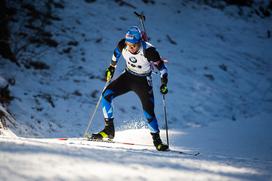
[
  {"x": 116, "y": 88},
  {"x": 144, "y": 91}
]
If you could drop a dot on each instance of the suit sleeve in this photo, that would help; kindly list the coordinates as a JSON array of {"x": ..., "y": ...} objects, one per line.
[
  {"x": 117, "y": 52},
  {"x": 153, "y": 55}
]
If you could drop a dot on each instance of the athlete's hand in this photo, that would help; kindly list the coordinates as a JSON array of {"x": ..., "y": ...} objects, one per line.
[
  {"x": 164, "y": 89},
  {"x": 109, "y": 73},
  {"x": 164, "y": 81}
]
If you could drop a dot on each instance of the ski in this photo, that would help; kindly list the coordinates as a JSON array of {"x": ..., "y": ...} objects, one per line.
[
  {"x": 85, "y": 141},
  {"x": 127, "y": 146},
  {"x": 128, "y": 143},
  {"x": 94, "y": 140},
  {"x": 185, "y": 153},
  {"x": 167, "y": 151},
  {"x": 116, "y": 142}
]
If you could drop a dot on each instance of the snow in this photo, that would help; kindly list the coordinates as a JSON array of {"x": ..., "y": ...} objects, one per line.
[
  {"x": 52, "y": 159},
  {"x": 3, "y": 83},
  {"x": 219, "y": 101}
]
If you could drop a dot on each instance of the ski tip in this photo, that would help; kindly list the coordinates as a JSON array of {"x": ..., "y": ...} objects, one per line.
[
  {"x": 185, "y": 153},
  {"x": 63, "y": 139},
  {"x": 196, "y": 154},
  {"x": 127, "y": 143}
]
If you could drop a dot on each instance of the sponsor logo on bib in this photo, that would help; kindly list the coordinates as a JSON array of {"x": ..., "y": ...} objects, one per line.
[{"x": 133, "y": 59}]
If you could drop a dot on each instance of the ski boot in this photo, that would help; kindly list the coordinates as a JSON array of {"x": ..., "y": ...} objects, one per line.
[
  {"x": 106, "y": 133},
  {"x": 158, "y": 142}
]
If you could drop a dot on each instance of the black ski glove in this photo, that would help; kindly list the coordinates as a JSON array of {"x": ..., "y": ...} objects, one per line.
[
  {"x": 164, "y": 81},
  {"x": 109, "y": 73}
]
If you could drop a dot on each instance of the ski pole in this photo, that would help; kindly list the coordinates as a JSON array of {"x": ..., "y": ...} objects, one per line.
[
  {"x": 96, "y": 107},
  {"x": 165, "y": 119}
]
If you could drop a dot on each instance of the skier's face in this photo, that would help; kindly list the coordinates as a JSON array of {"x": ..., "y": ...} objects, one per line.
[{"x": 133, "y": 48}]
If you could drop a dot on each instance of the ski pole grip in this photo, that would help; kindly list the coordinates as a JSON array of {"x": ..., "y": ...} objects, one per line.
[{"x": 140, "y": 16}]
